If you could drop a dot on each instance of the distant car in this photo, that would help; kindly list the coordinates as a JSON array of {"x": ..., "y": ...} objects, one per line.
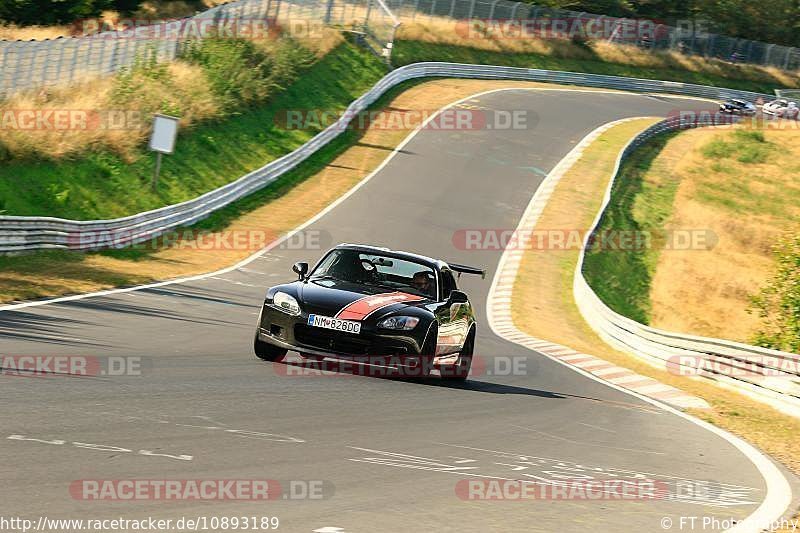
[
  {"x": 776, "y": 107},
  {"x": 368, "y": 301},
  {"x": 791, "y": 111},
  {"x": 737, "y": 107}
]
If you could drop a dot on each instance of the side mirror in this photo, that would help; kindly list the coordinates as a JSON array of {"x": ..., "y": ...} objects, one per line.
[
  {"x": 301, "y": 269},
  {"x": 458, "y": 297}
]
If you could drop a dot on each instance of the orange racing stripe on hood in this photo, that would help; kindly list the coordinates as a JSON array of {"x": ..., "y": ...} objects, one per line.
[{"x": 363, "y": 307}]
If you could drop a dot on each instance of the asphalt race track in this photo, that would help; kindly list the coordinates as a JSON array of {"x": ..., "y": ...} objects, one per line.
[{"x": 389, "y": 454}]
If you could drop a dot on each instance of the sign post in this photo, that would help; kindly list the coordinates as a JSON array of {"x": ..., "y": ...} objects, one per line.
[{"x": 162, "y": 140}]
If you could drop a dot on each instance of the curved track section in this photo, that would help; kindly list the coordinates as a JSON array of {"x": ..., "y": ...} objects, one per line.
[{"x": 391, "y": 453}]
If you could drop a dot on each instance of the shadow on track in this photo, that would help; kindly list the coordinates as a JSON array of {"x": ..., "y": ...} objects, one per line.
[{"x": 310, "y": 368}]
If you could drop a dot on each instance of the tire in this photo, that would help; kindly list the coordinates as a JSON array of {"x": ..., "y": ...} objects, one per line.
[
  {"x": 461, "y": 370},
  {"x": 427, "y": 354},
  {"x": 268, "y": 352}
]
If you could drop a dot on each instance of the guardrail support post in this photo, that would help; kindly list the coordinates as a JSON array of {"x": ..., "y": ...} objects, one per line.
[
  {"x": 328, "y": 10},
  {"x": 154, "y": 183},
  {"x": 769, "y": 52},
  {"x": 491, "y": 10}
]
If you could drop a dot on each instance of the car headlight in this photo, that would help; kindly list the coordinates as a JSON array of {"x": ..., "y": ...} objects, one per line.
[
  {"x": 286, "y": 303},
  {"x": 399, "y": 322}
]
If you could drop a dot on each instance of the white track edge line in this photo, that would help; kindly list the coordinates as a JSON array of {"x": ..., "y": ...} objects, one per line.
[
  {"x": 326, "y": 210},
  {"x": 779, "y": 493}
]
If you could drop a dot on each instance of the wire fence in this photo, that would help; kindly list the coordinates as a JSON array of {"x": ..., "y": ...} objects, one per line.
[
  {"x": 30, "y": 64},
  {"x": 504, "y": 18},
  {"x": 767, "y": 373},
  {"x": 25, "y": 233},
  {"x": 788, "y": 93}
]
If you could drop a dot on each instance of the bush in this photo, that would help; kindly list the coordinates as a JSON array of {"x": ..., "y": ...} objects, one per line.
[
  {"x": 778, "y": 303},
  {"x": 28, "y": 12},
  {"x": 243, "y": 74},
  {"x": 44, "y": 12},
  {"x": 747, "y": 146}
]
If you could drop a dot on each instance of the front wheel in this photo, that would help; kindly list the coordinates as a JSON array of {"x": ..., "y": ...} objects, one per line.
[
  {"x": 461, "y": 369},
  {"x": 268, "y": 352},
  {"x": 427, "y": 354}
]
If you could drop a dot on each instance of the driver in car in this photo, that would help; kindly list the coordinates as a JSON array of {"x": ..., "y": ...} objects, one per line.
[
  {"x": 423, "y": 283},
  {"x": 349, "y": 267}
]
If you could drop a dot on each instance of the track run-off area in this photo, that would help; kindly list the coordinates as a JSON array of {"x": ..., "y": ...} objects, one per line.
[{"x": 356, "y": 453}]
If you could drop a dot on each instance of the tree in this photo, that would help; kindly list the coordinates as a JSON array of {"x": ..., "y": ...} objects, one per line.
[
  {"x": 775, "y": 21},
  {"x": 27, "y": 12},
  {"x": 778, "y": 303},
  {"x": 44, "y": 12}
]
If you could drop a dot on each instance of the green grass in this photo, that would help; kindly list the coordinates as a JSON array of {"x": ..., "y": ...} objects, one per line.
[
  {"x": 408, "y": 51},
  {"x": 736, "y": 194},
  {"x": 217, "y": 221},
  {"x": 102, "y": 185},
  {"x": 622, "y": 278},
  {"x": 642, "y": 200}
]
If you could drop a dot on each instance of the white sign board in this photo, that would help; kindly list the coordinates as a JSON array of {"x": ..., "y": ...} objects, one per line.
[{"x": 165, "y": 129}]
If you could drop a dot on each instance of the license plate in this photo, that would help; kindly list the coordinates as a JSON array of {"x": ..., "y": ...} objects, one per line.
[{"x": 327, "y": 322}]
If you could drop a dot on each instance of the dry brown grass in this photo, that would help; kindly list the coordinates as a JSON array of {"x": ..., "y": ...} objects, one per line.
[
  {"x": 97, "y": 272},
  {"x": 543, "y": 305},
  {"x": 747, "y": 206},
  {"x": 183, "y": 87},
  {"x": 319, "y": 40},
  {"x": 632, "y": 55},
  {"x": 789, "y": 528},
  {"x": 11, "y": 32},
  {"x": 543, "y": 288},
  {"x": 445, "y": 31},
  {"x": 173, "y": 9},
  {"x": 187, "y": 90}
]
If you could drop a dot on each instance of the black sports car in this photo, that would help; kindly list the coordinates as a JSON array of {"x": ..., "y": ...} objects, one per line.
[
  {"x": 373, "y": 306},
  {"x": 737, "y": 107}
]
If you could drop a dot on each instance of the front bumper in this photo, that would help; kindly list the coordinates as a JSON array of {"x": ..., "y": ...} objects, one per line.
[{"x": 293, "y": 333}]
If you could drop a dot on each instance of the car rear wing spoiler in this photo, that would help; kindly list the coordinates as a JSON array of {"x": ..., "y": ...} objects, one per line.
[{"x": 463, "y": 269}]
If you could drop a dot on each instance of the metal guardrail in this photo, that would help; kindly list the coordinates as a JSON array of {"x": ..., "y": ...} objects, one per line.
[
  {"x": 29, "y": 64},
  {"x": 764, "y": 372},
  {"x": 689, "y": 38},
  {"x": 19, "y": 234},
  {"x": 23, "y": 233}
]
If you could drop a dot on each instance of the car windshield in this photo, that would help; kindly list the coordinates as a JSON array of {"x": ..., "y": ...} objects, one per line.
[{"x": 378, "y": 270}]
